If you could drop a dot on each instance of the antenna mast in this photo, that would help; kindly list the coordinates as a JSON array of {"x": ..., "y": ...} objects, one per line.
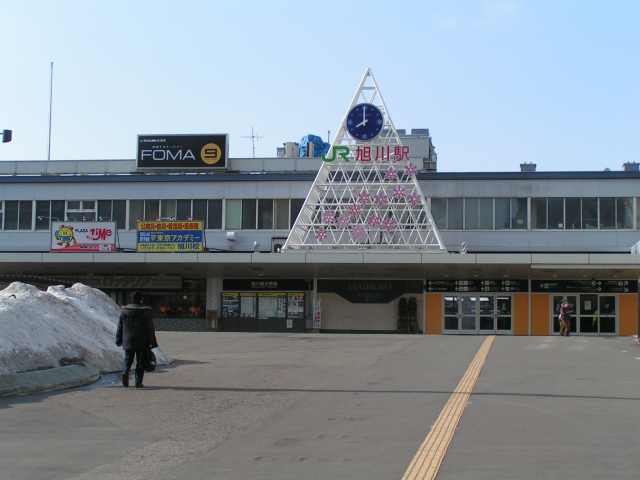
[{"x": 254, "y": 137}]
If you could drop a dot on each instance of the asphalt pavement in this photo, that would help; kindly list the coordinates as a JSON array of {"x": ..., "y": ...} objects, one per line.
[{"x": 277, "y": 406}]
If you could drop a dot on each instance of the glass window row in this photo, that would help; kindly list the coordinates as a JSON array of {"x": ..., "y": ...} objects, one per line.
[
  {"x": 543, "y": 213},
  {"x": 217, "y": 214}
]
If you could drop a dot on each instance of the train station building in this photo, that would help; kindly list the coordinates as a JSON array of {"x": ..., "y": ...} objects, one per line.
[{"x": 359, "y": 244}]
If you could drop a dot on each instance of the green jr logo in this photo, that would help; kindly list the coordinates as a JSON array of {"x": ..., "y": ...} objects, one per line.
[{"x": 341, "y": 151}]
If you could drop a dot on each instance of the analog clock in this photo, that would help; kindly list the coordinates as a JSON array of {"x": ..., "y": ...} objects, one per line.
[{"x": 364, "y": 121}]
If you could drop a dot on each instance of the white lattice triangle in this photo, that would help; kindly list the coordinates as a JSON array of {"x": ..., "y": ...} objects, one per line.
[{"x": 375, "y": 204}]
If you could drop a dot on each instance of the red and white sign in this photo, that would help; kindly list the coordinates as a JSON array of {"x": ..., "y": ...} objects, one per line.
[{"x": 83, "y": 237}]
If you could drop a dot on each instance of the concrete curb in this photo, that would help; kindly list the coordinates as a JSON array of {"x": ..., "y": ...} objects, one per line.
[{"x": 37, "y": 381}]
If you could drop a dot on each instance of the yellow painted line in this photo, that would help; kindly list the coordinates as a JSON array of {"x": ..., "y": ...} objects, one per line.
[{"x": 429, "y": 457}]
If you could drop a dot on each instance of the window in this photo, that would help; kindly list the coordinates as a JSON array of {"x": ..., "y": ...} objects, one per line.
[
  {"x": 589, "y": 213},
  {"x": 136, "y": 213},
  {"x": 607, "y": 212},
  {"x": 104, "y": 210},
  {"x": 1, "y": 214},
  {"x": 11, "y": 215},
  {"x": 214, "y": 214},
  {"x": 439, "y": 212},
  {"x": 168, "y": 209},
  {"x": 233, "y": 214},
  {"x": 572, "y": 214},
  {"x": 265, "y": 214},
  {"x": 200, "y": 211},
  {"x": 296, "y": 206},
  {"x": 183, "y": 210},
  {"x": 25, "y": 218},
  {"x": 81, "y": 211},
  {"x": 538, "y": 213},
  {"x": 555, "y": 213},
  {"x": 119, "y": 213},
  {"x": 518, "y": 213},
  {"x": 43, "y": 214},
  {"x": 151, "y": 209},
  {"x": 248, "y": 213},
  {"x": 281, "y": 214},
  {"x": 503, "y": 213},
  {"x": 113, "y": 211},
  {"x": 478, "y": 213},
  {"x": 624, "y": 212},
  {"x": 454, "y": 214}
]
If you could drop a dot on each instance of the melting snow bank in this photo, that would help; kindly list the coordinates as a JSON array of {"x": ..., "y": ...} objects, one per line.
[{"x": 44, "y": 329}]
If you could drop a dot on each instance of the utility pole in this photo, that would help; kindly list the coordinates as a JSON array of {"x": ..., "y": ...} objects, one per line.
[
  {"x": 253, "y": 138},
  {"x": 50, "y": 108}
]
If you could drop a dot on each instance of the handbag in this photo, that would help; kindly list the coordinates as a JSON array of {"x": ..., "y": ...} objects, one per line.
[{"x": 150, "y": 361}]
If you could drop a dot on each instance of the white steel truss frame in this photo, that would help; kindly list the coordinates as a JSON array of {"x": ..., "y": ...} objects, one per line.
[{"x": 374, "y": 205}]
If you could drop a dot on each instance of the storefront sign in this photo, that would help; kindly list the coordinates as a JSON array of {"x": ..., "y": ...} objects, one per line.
[
  {"x": 132, "y": 282},
  {"x": 230, "y": 304},
  {"x": 265, "y": 284},
  {"x": 502, "y": 286},
  {"x": 182, "y": 151},
  {"x": 83, "y": 237},
  {"x": 368, "y": 154},
  {"x": 370, "y": 291},
  {"x": 317, "y": 313},
  {"x": 585, "y": 286},
  {"x": 173, "y": 237}
]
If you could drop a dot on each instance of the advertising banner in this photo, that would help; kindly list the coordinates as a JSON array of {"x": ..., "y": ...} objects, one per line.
[
  {"x": 77, "y": 237},
  {"x": 182, "y": 151},
  {"x": 170, "y": 236}
]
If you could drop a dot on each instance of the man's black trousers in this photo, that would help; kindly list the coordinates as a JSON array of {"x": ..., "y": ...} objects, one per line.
[{"x": 140, "y": 356}]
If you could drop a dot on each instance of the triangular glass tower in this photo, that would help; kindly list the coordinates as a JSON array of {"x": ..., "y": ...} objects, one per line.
[{"x": 366, "y": 195}]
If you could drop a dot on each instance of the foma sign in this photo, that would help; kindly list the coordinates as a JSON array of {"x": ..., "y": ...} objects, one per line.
[{"x": 182, "y": 151}]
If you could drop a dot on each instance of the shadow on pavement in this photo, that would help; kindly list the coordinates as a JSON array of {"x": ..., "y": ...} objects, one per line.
[{"x": 378, "y": 391}]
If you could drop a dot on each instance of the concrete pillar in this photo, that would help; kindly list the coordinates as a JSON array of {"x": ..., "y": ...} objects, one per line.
[{"x": 214, "y": 292}]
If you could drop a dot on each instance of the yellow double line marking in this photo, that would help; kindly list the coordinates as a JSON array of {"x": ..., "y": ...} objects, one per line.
[{"x": 429, "y": 457}]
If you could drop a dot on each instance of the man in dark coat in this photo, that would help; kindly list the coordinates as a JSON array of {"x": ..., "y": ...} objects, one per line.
[{"x": 136, "y": 334}]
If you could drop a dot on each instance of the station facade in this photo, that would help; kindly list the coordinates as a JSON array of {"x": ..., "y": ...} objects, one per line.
[{"x": 516, "y": 244}]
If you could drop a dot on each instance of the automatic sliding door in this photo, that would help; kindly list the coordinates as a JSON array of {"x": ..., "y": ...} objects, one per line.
[
  {"x": 469, "y": 313},
  {"x": 588, "y": 314},
  {"x": 487, "y": 313},
  {"x": 451, "y": 318},
  {"x": 503, "y": 312},
  {"x": 607, "y": 311}
]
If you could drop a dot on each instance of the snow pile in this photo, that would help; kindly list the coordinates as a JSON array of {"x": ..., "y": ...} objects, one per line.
[{"x": 39, "y": 329}]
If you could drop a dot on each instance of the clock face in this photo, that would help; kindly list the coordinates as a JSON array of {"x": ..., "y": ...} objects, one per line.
[{"x": 364, "y": 121}]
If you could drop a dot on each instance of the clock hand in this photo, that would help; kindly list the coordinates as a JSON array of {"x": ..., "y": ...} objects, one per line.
[{"x": 364, "y": 114}]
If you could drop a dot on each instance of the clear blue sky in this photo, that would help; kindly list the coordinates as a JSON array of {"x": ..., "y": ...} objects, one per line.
[{"x": 498, "y": 82}]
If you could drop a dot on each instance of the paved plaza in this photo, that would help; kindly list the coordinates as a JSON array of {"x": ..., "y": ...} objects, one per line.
[{"x": 278, "y": 406}]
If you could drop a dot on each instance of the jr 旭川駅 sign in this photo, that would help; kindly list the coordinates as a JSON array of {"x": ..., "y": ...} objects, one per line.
[{"x": 207, "y": 151}]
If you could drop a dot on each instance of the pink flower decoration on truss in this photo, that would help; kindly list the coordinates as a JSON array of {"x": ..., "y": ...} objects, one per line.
[
  {"x": 364, "y": 197},
  {"x": 411, "y": 170},
  {"x": 388, "y": 224},
  {"x": 399, "y": 192},
  {"x": 329, "y": 217},
  {"x": 391, "y": 174},
  {"x": 321, "y": 234},
  {"x": 381, "y": 199},
  {"x": 359, "y": 233},
  {"x": 414, "y": 199},
  {"x": 354, "y": 210},
  {"x": 374, "y": 220},
  {"x": 344, "y": 221}
]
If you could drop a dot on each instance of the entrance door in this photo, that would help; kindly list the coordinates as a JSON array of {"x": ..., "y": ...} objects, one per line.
[
  {"x": 484, "y": 314},
  {"x": 469, "y": 314},
  {"x": 591, "y": 313}
]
